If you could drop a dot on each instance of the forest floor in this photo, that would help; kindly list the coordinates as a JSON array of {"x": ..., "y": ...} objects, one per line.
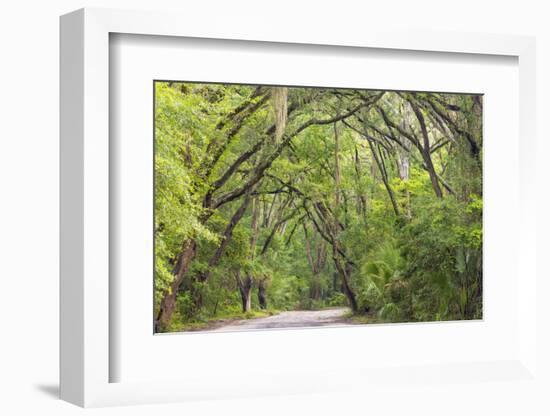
[{"x": 292, "y": 319}]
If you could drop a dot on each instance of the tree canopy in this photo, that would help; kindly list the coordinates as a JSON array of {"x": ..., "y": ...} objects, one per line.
[{"x": 273, "y": 198}]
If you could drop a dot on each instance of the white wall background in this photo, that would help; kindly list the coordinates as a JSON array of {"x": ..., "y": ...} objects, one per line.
[{"x": 29, "y": 80}]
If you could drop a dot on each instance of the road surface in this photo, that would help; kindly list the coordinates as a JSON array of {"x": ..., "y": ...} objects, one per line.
[{"x": 291, "y": 319}]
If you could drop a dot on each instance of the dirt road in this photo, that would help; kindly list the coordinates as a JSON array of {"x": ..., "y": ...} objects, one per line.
[{"x": 291, "y": 319}]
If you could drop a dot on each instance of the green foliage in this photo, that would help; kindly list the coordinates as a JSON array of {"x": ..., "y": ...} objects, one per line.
[
  {"x": 362, "y": 185},
  {"x": 442, "y": 247},
  {"x": 337, "y": 299}
]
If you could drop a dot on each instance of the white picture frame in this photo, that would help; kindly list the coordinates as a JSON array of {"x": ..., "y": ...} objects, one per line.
[{"x": 85, "y": 353}]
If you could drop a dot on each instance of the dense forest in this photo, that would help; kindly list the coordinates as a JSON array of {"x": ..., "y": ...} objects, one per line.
[{"x": 272, "y": 199}]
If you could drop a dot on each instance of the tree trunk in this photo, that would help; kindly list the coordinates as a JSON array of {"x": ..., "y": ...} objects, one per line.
[
  {"x": 245, "y": 289},
  {"x": 226, "y": 238},
  {"x": 280, "y": 107},
  {"x": 344, "y": 273},
  {"x": 168, "y": 303},
  {"x": 246, "y": 299},
  {"x": 378, "y": 159},
  {"x": 336, "y": 224},
  {"x": 216, "y": 258},
  {"x": 262, "y": 298},
  {"x": 336, "y": 169},
  {"x": 403, "y": 157},
  {"x": 316, "y": 263},
  {"x": 254, "y": 226},
  {"x": 425, "y": 151},
  {"x": 361, "y": 197},
  {"x": 315, "y": 289},
  {"x": 187, "y": 254}
]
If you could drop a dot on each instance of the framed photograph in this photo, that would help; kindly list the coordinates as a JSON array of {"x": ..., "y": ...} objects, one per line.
[
  {"x": 291, "y": 213},
  {"x": 302, "y": 186}
]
